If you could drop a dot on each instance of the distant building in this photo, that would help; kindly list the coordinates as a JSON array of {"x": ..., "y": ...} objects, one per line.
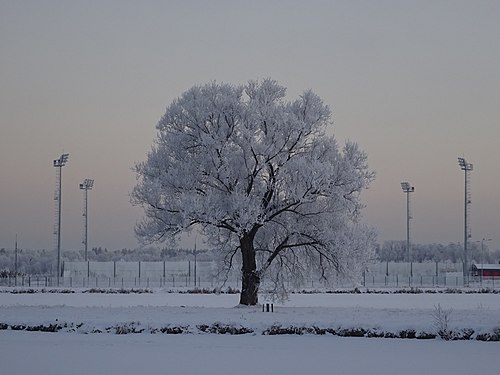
[{"x": 486, "y": 270}]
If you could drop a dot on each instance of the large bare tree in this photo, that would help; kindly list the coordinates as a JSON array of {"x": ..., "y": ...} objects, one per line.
[{"x": 258, "y": 176}]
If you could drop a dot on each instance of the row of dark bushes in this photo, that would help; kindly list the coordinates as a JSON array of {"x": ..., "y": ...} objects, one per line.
[
  {"x": 402, "y": 291},
  {"x": 228, "y": 290},
  {"x": 230, "y": 329}
]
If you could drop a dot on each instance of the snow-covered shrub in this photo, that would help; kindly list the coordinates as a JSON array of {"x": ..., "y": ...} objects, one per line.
[{"x": 441, "y": 320}]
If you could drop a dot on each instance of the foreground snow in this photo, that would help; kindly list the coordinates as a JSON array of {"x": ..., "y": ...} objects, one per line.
[
  {"x": 61, "y": 354},
  {"x": 252, "y": 353}
]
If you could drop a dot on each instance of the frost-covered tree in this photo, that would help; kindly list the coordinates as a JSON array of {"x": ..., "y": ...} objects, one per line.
[{"x": 258, "y": 176}]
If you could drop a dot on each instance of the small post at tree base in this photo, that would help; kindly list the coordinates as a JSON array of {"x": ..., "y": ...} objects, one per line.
[{"x": 266, "y": 307}]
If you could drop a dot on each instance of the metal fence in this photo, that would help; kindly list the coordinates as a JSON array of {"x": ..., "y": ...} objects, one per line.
[
  {"x": 450, "y": 281},
  {"x": 183, "y": 282},
  {"x": 172, "y": 282},
  {"x": 203, "y": 275}
]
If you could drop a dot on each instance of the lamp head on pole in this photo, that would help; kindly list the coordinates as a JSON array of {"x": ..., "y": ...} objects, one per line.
[
  {"x": 61, "y": 162},
  {"x": 87, "y": 184},
  {"x": 407, "y": 188},
  {"x": 464, "y": 165}
]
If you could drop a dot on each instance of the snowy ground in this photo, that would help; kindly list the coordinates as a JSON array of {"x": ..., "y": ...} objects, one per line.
[
  {"x": 70, "y": 351},
  {"x": 60, "y": 354}
]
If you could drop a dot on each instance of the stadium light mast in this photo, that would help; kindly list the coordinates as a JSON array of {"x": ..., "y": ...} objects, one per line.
[
  {"x": 59, "y": 163},
  {"x": 466, "y": 167},
  {"x": 407, "y": 189},
  {"x": 86, "y": 186}
]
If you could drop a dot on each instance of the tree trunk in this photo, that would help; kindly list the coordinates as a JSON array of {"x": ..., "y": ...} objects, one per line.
[{"x": 250, "y": 279}]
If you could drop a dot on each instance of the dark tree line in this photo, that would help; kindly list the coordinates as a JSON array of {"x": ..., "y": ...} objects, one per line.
[
  {"x": 395, "y": 251},
  {"x": 43, "y": 262}
]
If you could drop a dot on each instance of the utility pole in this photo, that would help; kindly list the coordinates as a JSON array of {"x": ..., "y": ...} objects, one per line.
[
  {"x": 195, "y": 264},
  {"x": 15, "y": 263},
  {"x": 483, "y": 257}
]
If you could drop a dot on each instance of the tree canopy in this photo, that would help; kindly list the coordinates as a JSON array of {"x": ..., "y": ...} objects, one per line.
[{"x": 261, "y": 179}]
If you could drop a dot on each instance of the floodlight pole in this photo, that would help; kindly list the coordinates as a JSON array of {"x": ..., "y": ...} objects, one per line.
[
  {"x": 86, "y": 186},
  {"x": 466, "y": 167},
  {"x": 407, "y": 189},
  {"x": 59, "y": 163}
]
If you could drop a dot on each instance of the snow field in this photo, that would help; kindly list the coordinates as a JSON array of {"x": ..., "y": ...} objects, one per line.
[
  {"x": 150, "y": 312},
  {"x": 61, "y": 354},
  {"x": 200, "y": 353}
]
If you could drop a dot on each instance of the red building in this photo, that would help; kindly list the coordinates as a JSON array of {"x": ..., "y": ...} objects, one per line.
[{"x": 486, "y": 270}]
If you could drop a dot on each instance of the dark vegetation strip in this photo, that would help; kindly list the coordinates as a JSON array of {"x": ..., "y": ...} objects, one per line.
[{"x": 228, "y": 329}]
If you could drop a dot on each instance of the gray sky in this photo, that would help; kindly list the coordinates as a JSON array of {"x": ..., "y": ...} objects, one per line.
[{"x": 415, "y": 83}]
